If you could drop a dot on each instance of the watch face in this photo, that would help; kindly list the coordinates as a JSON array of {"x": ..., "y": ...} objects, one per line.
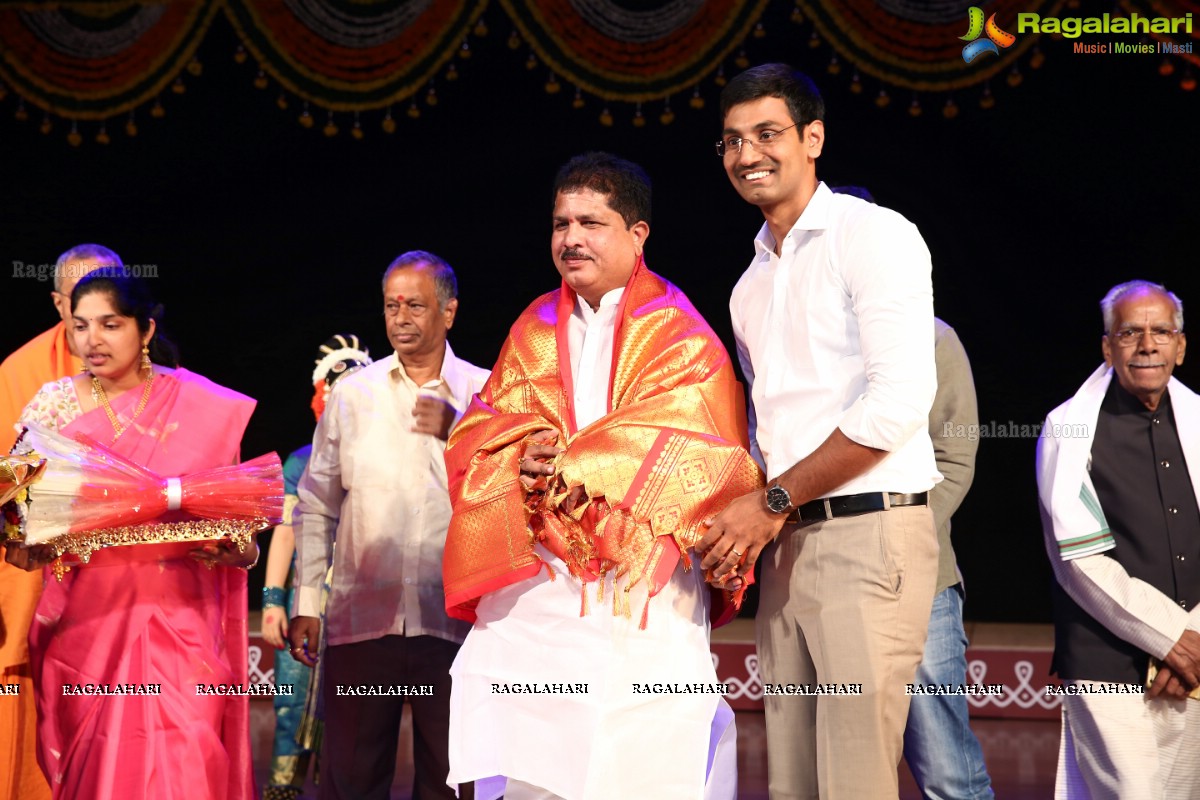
[{"x": 778, "y": 499}]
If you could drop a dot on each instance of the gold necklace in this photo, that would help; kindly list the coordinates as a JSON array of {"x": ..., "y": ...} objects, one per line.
[{"x": 101, "y": 397}]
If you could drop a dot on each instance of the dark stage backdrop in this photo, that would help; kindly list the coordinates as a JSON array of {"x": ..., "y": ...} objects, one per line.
[{"x": 268, "y": 237}]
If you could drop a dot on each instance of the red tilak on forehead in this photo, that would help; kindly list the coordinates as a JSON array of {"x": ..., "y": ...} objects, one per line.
[{"x": 399, "y": 298}]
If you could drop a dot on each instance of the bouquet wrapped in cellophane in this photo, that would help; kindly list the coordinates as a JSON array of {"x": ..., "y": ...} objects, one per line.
[
  {"x": 17, "y": 472},
  {"x": 77, "y": 496}
]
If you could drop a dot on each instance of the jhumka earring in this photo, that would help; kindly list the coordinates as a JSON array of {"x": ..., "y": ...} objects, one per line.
[{"x": 147, "y": 367}]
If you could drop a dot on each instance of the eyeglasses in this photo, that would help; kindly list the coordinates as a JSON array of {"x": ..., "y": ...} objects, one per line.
[
  {"x": 1128, "y": 337},
  {"x": 765, "y": 140}
]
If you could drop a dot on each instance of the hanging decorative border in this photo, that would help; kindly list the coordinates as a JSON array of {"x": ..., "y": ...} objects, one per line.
[
  {"x": 915, "y": 45},
  {"x": 98, "y": 60},
  {"x": 633, "y": 56},
  {"x": 352, "y": 56},
  {"x": 94, "y": 59}
]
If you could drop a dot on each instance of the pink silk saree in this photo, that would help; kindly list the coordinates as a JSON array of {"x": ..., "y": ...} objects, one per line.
[{"x": 148, "y": 615}]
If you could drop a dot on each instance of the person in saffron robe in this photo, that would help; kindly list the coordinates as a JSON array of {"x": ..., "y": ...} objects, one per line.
[
  {"x": 611, "y": 426},
  {"x": 160, "y": 618},
  {"x": 48, "y": 356},
  {"x": 51, "y": 354}
]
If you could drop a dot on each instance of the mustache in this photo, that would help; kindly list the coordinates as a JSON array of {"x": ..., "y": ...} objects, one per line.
[{"x": 574, "y": 254}]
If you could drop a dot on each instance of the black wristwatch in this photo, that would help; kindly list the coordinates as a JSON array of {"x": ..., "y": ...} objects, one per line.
[{"x": 778, "y": 499}]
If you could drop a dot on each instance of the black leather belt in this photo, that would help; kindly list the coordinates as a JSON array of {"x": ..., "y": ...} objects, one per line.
[{"x": 848, "y": 505}]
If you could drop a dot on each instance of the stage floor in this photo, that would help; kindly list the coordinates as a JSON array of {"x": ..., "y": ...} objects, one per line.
[{"x": 1020, "y": 756}]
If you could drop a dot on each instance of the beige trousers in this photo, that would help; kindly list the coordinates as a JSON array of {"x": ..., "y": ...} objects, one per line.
[{"x": 844, "y": 602}]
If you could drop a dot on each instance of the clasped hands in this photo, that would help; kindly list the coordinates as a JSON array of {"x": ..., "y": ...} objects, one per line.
[
  {"x": 733, "y": 539},
  {"x": 1179, "y": 671},
  {"x": 537, "y": 467}
]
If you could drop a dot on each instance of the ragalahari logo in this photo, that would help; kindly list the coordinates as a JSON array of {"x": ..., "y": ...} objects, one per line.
[{"x": 995, "y": 36}]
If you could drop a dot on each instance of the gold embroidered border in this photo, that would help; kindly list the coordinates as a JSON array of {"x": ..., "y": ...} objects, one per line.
[{"x": 84, "y": 543}]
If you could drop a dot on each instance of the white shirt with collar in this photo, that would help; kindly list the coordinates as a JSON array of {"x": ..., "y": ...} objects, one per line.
[
  {"x": 837, "y": 332},
  {"x": 590, "y": 342},
  {"x": 380, "y": 490}
]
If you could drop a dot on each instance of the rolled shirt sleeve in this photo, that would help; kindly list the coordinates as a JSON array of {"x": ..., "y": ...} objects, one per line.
[{"x": 887, "y": 272}]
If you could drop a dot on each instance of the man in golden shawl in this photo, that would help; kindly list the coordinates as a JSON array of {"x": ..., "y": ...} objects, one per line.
[
  {"x": 611, "y": 427},
  {"x": 47, "y": 357}
]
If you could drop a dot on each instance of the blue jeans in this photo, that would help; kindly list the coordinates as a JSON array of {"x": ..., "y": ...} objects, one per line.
[{"x": 942, "y": 752}]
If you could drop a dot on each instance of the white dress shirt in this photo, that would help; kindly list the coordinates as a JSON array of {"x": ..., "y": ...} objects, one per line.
[
  {"x": 837, "y": 332},
  {"x": 590, "y": 342},
  {"x": 380, "y": 490}
]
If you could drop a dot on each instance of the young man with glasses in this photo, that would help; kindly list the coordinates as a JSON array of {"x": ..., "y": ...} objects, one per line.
[
  {"x": 1122, "y": 527},
  {"x": 834, "y": 325}
]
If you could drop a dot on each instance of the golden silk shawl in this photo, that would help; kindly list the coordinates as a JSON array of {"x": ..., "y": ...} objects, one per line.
[{"x": 671, "y": 451}]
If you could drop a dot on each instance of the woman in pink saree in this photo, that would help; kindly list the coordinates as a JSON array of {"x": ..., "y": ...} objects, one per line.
[{"x": 157, "y": 618}]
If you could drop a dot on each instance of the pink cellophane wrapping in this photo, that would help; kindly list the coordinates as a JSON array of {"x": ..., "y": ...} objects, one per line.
[{"x": 87, "y": 486}]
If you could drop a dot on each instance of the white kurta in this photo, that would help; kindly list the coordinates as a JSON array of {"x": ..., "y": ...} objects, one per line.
[{"x": 612, "y": 740}]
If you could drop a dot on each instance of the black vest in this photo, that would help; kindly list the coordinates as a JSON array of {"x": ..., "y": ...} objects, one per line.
[{"x": 1146, "y": 493}]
